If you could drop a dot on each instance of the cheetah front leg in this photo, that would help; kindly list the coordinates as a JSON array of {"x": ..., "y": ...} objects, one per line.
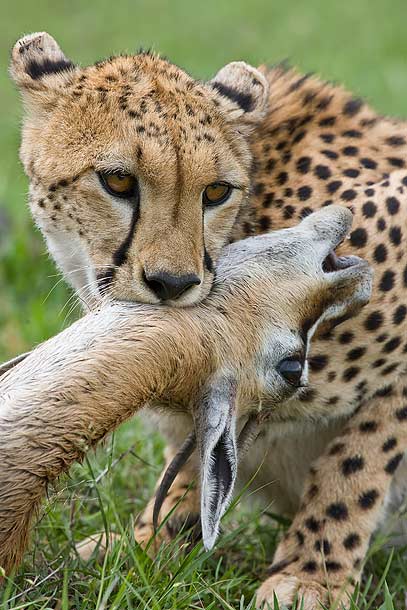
[{"x": 320, "y": 560}]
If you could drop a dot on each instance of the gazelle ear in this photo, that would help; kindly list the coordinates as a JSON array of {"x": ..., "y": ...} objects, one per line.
[
  {"x": 37, "y": 63},
  {"x": 242, "y": 91},
  {"x": 216, "y": 422}
]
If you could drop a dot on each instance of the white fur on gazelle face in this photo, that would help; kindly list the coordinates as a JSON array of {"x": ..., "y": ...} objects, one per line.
[{"x": 290, "y": 296}]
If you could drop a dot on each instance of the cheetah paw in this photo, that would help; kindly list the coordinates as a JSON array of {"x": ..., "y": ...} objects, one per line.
[
  {"x": 87, "y": 547},
  {"x": 310, "y": 595}
]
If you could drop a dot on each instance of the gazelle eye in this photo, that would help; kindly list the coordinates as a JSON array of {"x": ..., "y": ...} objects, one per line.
[
  {"x": 118, "y": 184},
  {"x": 216, "y": 193},
  {"x": 291, "y": 370}
]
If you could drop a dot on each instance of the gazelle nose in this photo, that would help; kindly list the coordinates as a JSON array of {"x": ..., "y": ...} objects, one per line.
[{"x": 166, "y": 286}]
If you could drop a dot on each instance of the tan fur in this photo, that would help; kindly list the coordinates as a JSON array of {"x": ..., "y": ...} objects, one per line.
[
  {"x": 78, "y": 386},
  {"x": 314, "y": 145},
  {"x": 144, "y": 116}
]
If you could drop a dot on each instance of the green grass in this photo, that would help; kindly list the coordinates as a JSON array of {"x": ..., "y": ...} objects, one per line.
[{"x": 360, "y": 43}]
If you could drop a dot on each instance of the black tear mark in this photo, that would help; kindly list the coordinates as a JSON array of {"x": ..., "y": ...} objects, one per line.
[
  {"x": 37, "y": 69},
  {"x": 120, "y": 256},
  {"x": 208, "y": 261},
  {"x": 243, "y": 100}
]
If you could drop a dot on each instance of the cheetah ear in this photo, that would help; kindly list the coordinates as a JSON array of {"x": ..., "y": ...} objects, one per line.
[
  {"x": 38, "y": 65},
  {"x": 242, "y": 91}
]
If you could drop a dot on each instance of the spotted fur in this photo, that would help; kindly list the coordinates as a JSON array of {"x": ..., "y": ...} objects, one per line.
[{"x": 310, "y": 145}]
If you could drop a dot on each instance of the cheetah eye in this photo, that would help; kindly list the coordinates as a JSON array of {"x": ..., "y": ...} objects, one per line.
[
  {"x": 118, "y": 184},
  {"x": 291, "y": 370},
  {"x": 216, "y": 193}
]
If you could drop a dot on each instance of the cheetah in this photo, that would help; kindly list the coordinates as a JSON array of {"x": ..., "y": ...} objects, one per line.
[{"x": 139, "y": 174}]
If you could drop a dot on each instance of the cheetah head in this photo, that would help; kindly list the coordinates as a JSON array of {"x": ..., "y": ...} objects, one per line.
[{"x": 137, "y": 172}]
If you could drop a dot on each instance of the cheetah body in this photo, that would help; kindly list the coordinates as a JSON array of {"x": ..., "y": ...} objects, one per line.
[
  {"x": 334, "y": 451},
  {"x": 317, "y": 146}
]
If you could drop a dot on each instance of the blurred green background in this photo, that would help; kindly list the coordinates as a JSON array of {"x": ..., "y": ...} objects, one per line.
[{"x": 361, "y": 43}]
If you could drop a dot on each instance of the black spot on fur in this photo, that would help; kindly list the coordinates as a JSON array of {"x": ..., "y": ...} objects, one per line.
[
  {"x": 327, "y": 121},
  {"x": 390, "y": 444},
  {"x": 348, "y": 195},
  {"x": 313, "y": 491},
  {"x": 337, "y": 448},
  {"x": 352, "y": 107},
  {"x": 303, "y": 165},
  {"x": 333, "y": 566},
  {"x": 282, "y": 178},
  {"x": 337, "y": 511},
  {"x": 396, "y": 161},
  {"x": 381, "y": 224},
  {"x": 333, "y": 186},
  {"x": 300, "y": 537},
  {"x": 393, "y": 205},
  {"x": 351, "y": 173},
  {"x": 401, "y": 414},
  {"x": 268, "y": 200},
  {"x": 352, "y": 133},
  {"x": 356, "y": 353},
  {"x": 380, "y": 253},
  {"x": 395, "y": 235},
  {"x": 387, "y": 390},
  {"x": 368, "y": 499},
  {"x": 322, "y": 172},
  {"x": 373, "y": 321},
  {"x": 288, "y": 212},
  {"x": 387, "y": 281},
  {"x": 395, "y": 141},
  {"x": 317, "y": 362},
  {"x": 351, "y": 541},
  {"x": 368, "y": 163},
  {"x": 264, "y": 223},
  {"x": 350, "y": 151},
  {"x": 350, "y": 373},
  {"x": 358, "y": 237},
  {"x": 300, "y": 135},
  {"x": 391, "y": 345},
  {"x": 323, "y": 546},
  {"x": 327, "y": 137},
  {"x": 346, "y": 337},
  {"x": 392, "y": 464},
  {"x": 310, "y": 567},
  {"x": 312, "y": 524},
  {"x": 368, "y": 427},
  {"x": 304, "y": 193},
  {"x": 352, "y": 465}
]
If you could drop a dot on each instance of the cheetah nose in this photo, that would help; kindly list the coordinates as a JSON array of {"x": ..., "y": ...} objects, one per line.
[{"x": 166, "y": 286}]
